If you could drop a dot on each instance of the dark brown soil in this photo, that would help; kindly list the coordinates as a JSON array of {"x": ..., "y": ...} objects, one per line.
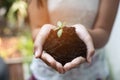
[{"x": 65, "y": 48}]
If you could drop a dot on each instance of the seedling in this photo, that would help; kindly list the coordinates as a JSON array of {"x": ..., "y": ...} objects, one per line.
[{"x": 60, "y": 26}]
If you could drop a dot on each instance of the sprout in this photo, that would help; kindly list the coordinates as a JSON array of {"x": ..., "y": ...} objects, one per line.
[
  {"x": 59, "y": 33},
  {"x": 60, "y": 26}
]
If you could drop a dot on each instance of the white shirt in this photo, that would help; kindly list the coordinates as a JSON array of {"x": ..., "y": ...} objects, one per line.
[{"x": 73, "y": 11}]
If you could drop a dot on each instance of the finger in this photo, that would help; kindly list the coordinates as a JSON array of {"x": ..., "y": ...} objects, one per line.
[
  {"x": 74, "y": 63},
  {"x": 81, "y": 31},
  {"x": 90, "y": 54},
  {"x": 60, "y": 68},
  {"x": 38, "y": 52},
  {"x": 90, "y": 48},
  {"x": 40, "y": 39},
  {"x": 85, "y": 36},
  {"x": 50, "y": 61}
]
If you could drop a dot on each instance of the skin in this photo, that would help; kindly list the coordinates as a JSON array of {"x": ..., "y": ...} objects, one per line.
[{"x": 94, "y": 38}]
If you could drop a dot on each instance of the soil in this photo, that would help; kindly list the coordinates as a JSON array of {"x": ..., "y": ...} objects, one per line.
[{"x": 65, "y": 48}]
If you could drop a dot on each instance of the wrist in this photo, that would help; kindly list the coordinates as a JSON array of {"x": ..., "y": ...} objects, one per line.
[
  {"x": 99, "y": 36},
  {"x": 35, "y": 32}
]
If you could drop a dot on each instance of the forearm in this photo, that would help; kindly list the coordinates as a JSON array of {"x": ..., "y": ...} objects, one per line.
[
  {"x": 104, "y": 22},
  {"x": 100, "y": 37},
  {"x": 38, "y": 15},
  {"x": 34, "y": 32}
]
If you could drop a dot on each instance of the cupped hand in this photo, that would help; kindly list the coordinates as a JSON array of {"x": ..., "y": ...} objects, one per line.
[
  {"x": 49, "y": 60},
  {"x": 39, "y": 53},
  {"x": 85, "y": 36}
]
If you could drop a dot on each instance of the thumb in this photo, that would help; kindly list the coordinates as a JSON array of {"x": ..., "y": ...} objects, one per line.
[
  {"x": 40, "y": 39},
  {"x": 38, "y": 53},
  {"x": 89, "y": 55}
]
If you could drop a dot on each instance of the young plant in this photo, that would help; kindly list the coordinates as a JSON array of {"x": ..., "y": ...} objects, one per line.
[{"x": 60, "y": 26}]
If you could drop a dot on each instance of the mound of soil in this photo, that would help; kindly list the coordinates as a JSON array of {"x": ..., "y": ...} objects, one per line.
[{"x": 65, "y": 48}]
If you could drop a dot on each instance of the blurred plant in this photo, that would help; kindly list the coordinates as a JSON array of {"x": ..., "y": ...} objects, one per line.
[
  {"x": 17, "y": 13},
  {"x": 25, "y": 44}
]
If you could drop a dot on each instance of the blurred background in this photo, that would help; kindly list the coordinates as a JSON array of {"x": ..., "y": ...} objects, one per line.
[{"x": 16, "y": 47}]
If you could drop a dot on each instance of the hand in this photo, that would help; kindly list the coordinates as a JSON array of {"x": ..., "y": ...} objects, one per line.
[
  {"x": 39, "y": 53},
  {"x": 49, "y": 60},
  {"x": 85, "y": 36}
]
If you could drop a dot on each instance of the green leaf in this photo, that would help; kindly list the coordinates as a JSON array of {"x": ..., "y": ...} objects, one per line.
[
  {"x": 59, "y": 24},
  {"x": 59, "y": 33}
]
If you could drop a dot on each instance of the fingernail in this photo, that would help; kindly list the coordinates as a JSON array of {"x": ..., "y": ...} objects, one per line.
[{"x": 36, "y": 54}]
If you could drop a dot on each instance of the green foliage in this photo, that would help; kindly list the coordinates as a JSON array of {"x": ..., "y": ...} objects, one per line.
[
  {"x": 25, "y": 44},
  {"x": 17, "y": 11}
]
